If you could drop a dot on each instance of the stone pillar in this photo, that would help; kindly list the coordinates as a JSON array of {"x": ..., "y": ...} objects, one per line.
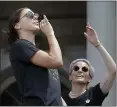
[{"x": 102, "y": 17}]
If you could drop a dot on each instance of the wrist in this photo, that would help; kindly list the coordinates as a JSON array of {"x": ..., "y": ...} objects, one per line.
[
  {"x": 97, "y": 44},
  {"x": 50, "y": 34}
]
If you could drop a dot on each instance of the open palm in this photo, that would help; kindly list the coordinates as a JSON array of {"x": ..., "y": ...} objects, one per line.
[{"x": 91, "y": 35}]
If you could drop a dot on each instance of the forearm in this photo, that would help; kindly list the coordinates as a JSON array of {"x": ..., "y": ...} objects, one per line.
[
  {"x": 107, "y": 59},
  {"x": 92, "y": 37},
  {"x": 55, "y": 50}
]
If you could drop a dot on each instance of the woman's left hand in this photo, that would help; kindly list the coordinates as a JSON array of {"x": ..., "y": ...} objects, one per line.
[
  {"x": 46, "y": 27},
  {"x": 91, "y": 35}
]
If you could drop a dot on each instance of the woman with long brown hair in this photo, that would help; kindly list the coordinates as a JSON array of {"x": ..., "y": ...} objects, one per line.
[{"x": 35, "y": 69}]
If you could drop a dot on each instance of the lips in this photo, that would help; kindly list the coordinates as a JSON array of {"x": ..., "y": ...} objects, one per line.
[
  {"x": 80, "y": 76},
  {"x": 36, "y": 23}
]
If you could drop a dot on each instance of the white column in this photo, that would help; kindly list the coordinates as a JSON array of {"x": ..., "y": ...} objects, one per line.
[
  {"x": 102, "y": 17},
  {"x": 116, "y": 49}
]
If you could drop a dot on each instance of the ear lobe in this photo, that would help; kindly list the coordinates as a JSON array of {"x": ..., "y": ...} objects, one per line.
[
  {"x": 17, "y": 26},
  {"x": 89, "y": 80}
]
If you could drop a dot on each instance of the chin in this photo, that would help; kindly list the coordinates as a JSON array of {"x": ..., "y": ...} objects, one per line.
[
  {"x": 80, "y": 81},
  {"x": 37, "y": 29}
]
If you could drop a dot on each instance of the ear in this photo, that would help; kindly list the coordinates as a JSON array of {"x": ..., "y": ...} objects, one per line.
[
  {"x": 17, "y": 26},
  {"x": 89, "y": 79}
]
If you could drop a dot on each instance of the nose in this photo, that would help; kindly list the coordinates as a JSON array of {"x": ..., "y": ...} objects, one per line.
[
  {"x": 35, "y": 17},
  {"x": 80, "y": 70}
]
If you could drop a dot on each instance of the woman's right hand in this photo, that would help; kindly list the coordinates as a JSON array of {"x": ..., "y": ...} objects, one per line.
[{"x": 46, "y": 27}]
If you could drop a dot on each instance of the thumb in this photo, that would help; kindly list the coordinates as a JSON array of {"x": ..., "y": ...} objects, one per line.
[{"x": 85, "y": 34}]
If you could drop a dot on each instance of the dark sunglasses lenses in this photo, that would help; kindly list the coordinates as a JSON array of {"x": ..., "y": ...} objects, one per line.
[
  {"x": 85, "y": 69},
  {"x": 30, "y": 15},
  {"x": 76, "y": 68}
]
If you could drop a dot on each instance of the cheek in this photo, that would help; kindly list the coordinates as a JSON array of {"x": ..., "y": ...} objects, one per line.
[
  {"x": 87, "y": 77},
  {"x": 26, "y": 23},
  {"x": 72, "y": 75}
]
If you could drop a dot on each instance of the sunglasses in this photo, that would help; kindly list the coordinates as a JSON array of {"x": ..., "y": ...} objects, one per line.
[
  {"x": 32, "y": 15},
  {"x": 84, "y": 69}
]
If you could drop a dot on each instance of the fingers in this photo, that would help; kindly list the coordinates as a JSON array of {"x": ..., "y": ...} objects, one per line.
[
  {"x": 44, "y": 21},
  {"x": 41, "y": 23},
  {"x": 89, "y": 28},
  {"x": 45, "y": 18},
  {"x": 88, "y": 24}
]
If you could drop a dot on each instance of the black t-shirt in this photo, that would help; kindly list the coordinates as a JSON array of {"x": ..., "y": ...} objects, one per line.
[
  {"x": 34, "y": 81},
  {"x": 92, "y": 97}
]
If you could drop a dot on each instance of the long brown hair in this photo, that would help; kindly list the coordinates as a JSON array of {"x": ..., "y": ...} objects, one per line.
[{"x": 12, "y": 33}]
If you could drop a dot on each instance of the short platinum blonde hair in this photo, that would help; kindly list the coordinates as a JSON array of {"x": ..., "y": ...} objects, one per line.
[{"x": 91, "y": 68}]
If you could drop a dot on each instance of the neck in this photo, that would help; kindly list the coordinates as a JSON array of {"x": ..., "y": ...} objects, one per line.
[
  {"x": 30, "y": 36},
  {"x": 78, "y": 88}
]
